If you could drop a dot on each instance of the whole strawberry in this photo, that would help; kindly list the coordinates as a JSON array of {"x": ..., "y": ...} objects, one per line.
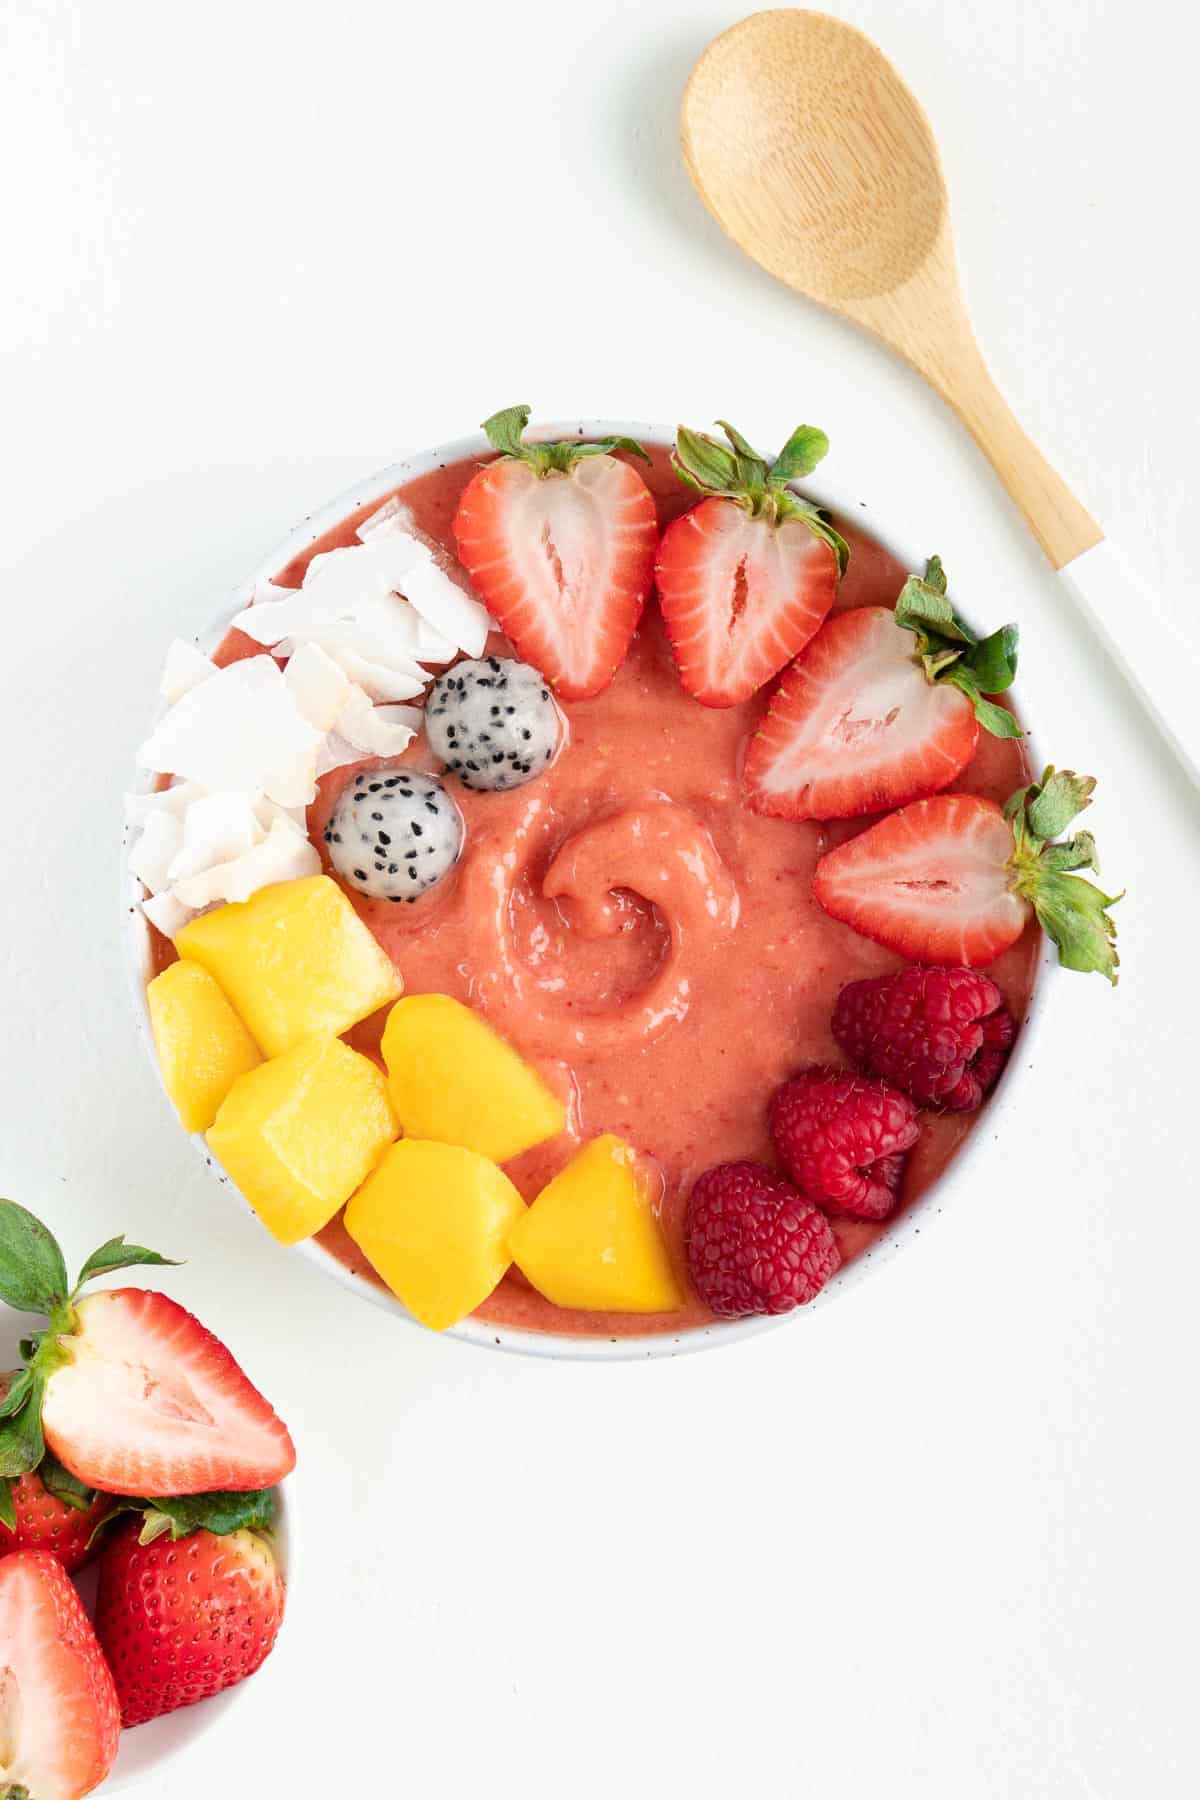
[
  {"x": 754, "y": 1245},
  {"x": 843, "y": 1140},
  {"x": 41, "y": 1520},
  {"x": 941, "y": 1036},
  {"x": 181, "y": 1618}
]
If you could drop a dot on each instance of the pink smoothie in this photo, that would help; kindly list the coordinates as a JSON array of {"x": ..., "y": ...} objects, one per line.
[{"x": 645, "y": 940}]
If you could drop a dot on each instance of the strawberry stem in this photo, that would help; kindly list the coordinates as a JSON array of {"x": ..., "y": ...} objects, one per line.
[
  {"x": 505, "y": 433},
  {"x": 1073, "y": 912},
  {"x": 950, "y": 652},
  {"x": 738, "y": 472}
]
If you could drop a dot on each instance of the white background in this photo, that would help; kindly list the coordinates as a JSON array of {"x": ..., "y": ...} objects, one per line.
[{"x": 939, "y": 1538}]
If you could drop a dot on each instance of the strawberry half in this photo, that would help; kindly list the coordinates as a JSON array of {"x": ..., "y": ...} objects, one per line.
[
  {"x": 129, "y": 1391},
  {"x": 558, "y": 540},
  {"x": 746, "y": 577},
  {"x": 879, "y": 709},
  {"x": 184, "y": 1612},
  {"x": 59, "y": 1714},
  {"x": 956, "y": 880}
]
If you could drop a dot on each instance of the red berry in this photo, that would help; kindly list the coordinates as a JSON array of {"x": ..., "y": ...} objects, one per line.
[
  {"x": 754, "y": 1245},
  {"x": 44, "y": 1522},
  {"x": 940, "y": 1035},
  {"x": 843, "y": 1140}
]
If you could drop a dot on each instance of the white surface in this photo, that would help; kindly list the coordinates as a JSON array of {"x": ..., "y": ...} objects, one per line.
[{"x": 935, "y": 1541}]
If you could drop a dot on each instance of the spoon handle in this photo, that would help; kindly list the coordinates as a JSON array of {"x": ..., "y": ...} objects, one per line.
[
  {"x": 1062, "y": 526},
  {"x": 1163, "y": 671}
]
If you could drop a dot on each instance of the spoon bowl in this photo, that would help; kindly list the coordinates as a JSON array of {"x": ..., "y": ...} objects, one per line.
[{"x": 812, "y": 154}]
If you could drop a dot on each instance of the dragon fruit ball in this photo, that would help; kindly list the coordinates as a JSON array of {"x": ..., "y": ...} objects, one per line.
[
  {"x": 394, "y": 834},
  {"x": 493, "y": 722}
]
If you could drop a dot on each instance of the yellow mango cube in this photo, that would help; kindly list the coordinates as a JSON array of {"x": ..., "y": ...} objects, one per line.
[
  {"x": 454, "y": 1081},
  {"x": 591, "y": 1239},
  {"x": 301, "y": 1132},
  {"x": 295, "y": 959},
  {"x": 433, "y": 1221},
  {"x": 202, "y": 1044}
]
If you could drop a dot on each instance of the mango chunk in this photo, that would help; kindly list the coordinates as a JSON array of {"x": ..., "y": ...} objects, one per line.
[
  {"x": 454, "y": 1081},
  {"x": 591, "y": 1239},
  {"x": 433, "y": 1221},
  {"x": 202, "y": 1044},
  {"x": 295, "y": 959},
  {"x": 298, "y": 1134}
]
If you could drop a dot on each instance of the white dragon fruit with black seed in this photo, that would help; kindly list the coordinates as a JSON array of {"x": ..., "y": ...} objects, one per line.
[
  {"x": 394, "y": 834},
  {"x": 493, "y": 722}
]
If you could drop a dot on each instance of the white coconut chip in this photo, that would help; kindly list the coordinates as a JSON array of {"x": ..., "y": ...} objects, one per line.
[
  {"x": 167, "y": 914},
  {"x": 185, "y": 668},
  {"x": 241, "y": 730},
  {"x": 283, "y": 855},
  {"x": 156, "y": 849},
  {"x": 319, "y": 688},
  {"x": 216, "y": 830},
  {"x": 443, "y": 604},
  {"x": 174, "y": 799},
  {"x": 377, "y": 730}
]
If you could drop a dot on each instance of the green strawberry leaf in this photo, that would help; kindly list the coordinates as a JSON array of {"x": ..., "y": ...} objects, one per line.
[
  {"x": 8, "y": 1512},
  {"x": 703, "y": 463},
  {"x": 951, "y": 653},
  {"x": 996, "y": 719},
  {"x": 1073, "y": 912},
  {"x": 220, "y": 1513},
  {"x": 21, "y": 1443},
  {"x": 33, "y": 1276},
  {"x": 117, "y": 1254},
  {"x": 993, "y": 660},
  {"x": 28, "y": 1346},
  {"x": 20, "y": 1386},
  {"x": 63, "y": 1485},
  {"x": 505, "y": 429},
  {"x": 806, "y": 447}
]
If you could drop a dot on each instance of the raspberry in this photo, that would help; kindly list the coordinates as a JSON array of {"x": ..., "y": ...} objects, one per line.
[
  {"x": 754, "y": 1245},
  {"x": 940, "y": 1035},
  {"x": 842, "y": 1139}
]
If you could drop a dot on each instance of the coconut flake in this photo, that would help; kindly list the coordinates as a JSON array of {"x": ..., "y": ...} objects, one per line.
[
  {"x": 175, "y": 799},
  {"x": 319, "y": 688},
  {"x": 216, "y": 830},
  {"x": 443, "y": 605},
  {"x": 185, "y": 668},
  {"x": 156, "y": 849},
  {"x": 167, "y": 914},
  {"x": 377, "y": 730},
  {"x": 282, "y": 856},
  {"x": 241, "y": 730}
]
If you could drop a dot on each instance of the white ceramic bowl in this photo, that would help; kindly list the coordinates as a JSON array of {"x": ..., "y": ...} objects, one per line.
[
  {"x": 147, "y": 1749},
  {"x": 839, "y": 499}
]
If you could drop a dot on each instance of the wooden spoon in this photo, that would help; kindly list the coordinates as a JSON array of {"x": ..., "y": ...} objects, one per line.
[{"x": 809, "y": 150}]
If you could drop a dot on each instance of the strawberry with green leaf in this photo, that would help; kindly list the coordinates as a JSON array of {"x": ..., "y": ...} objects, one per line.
[
  {"x": 128, "y": 1391},
  {"x": 880, "y": 708},
  {"x": 558, "y": 540},
  {"x": 749, "y": 573},
  {"x": 956, "y": 879},
  {"x": 190, "y": 1599}
]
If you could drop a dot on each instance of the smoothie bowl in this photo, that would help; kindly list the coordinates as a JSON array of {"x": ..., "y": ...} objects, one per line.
[{"x": 586, "y": 891}]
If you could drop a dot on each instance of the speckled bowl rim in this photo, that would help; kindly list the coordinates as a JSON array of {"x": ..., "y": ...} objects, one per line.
[{"x": 902, "y": 543}]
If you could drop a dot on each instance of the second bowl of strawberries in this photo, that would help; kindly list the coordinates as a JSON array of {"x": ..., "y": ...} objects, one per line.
[{"x": 130, "y": 1440}]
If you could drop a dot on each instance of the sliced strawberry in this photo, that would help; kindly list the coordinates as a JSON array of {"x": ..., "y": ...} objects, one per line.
[
  {"x": 854, "y": 726},
  {"x": 59, "y": 1714},
  {"x": 880, "y": 708},
  {"x": 955, "y": 879},
  {"x": 746, "y": 577},
  {"x": 558, "y": 540},
  {"x": 149, "y": 1402}
]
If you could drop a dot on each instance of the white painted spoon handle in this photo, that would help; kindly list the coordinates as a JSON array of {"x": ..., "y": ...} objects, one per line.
[{"x": 1164, "y": 671}]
